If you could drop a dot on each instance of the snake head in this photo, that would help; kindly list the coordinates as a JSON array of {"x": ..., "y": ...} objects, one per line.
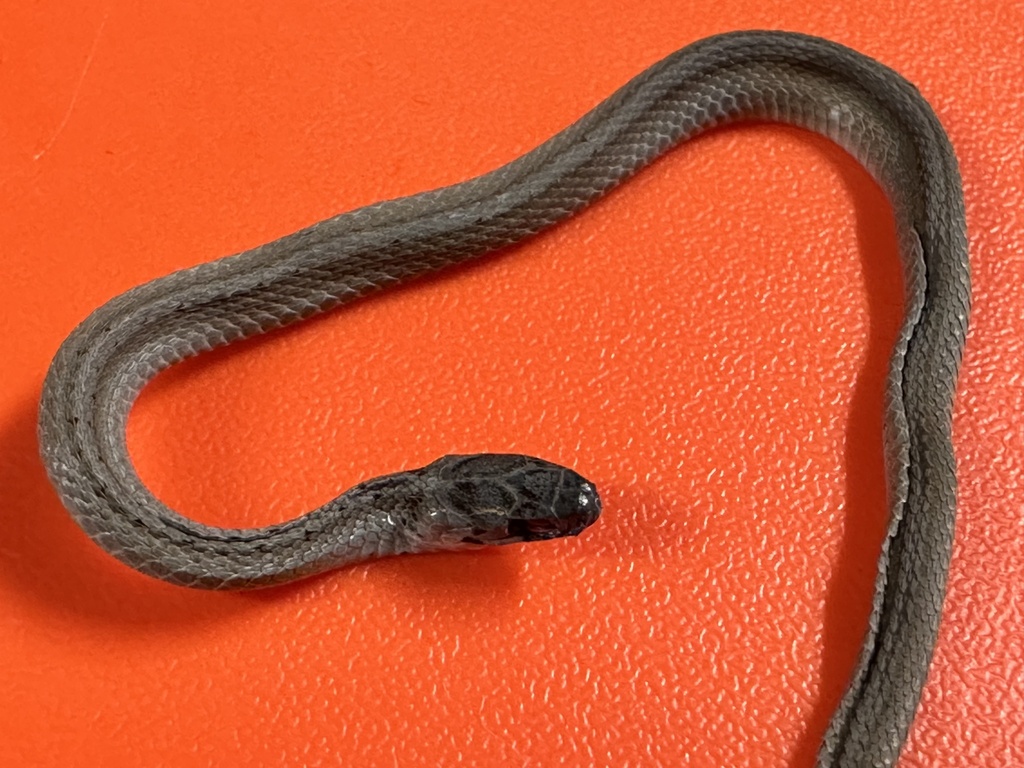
[{"x": 490, "y": 498}]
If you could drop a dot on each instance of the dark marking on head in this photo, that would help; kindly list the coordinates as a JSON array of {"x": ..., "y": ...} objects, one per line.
[{"x": 487, "y": 499}]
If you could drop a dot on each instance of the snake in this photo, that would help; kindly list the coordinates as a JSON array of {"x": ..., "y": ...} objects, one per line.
[{"x": 468, "y": 501}]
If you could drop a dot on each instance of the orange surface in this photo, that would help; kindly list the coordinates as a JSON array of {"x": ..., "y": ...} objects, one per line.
[{"x": 708, "y": 344}]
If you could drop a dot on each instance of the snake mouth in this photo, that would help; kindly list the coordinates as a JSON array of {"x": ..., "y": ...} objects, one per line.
[
  {"x": 550, "y": 528},
  {"x": 541, "y": 530}
]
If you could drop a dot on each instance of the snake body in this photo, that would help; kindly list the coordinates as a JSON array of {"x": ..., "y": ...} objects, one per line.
[{"x": 468, "y": 501}]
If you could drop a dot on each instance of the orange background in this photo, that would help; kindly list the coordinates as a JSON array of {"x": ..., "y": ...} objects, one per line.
[{"x": 708, "y": 344}]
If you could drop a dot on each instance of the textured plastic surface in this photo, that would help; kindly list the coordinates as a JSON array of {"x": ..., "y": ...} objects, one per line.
[{"x": 708, "y": 344}]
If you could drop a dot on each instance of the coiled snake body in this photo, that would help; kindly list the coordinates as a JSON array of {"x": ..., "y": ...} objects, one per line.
[{"x": 467, "y": 501}]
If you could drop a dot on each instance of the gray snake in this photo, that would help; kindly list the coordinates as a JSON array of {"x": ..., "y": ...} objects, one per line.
[{"x": 461, "y": 502}]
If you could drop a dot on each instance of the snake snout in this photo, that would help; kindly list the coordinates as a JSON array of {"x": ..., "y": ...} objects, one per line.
[
  {"x": 580, "y": 507},
  {"x": 576, "y": 507}
]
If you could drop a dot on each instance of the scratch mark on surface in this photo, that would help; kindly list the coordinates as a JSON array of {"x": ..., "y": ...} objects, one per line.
[{"x": 78, "y": 88}]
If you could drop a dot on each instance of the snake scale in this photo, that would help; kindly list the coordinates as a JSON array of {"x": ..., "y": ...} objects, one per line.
[{"x": 468, "y": 501}]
